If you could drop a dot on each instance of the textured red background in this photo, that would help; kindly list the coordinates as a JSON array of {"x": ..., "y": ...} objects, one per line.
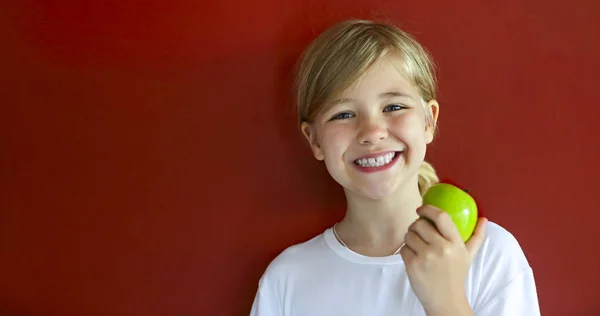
[{"x": 150, "y": 163}]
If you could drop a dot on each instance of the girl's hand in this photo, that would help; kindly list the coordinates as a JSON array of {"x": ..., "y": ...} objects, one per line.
[{"x": 437, "y": 261}]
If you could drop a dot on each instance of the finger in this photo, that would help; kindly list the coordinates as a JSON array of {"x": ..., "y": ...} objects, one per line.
[
  {"x": 478, "y": 237},
  {"x": 425, "y": 229},
  {"x": 407, "y": 254},
  {"x": 415, "y": 242},
  {"x": 442, "y": 222}
]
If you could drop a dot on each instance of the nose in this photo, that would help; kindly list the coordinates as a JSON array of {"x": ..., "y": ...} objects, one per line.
[{"x": 371, "y": 131}]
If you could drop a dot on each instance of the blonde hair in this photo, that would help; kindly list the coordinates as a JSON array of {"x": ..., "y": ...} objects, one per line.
[{"x": 341, "y": 54}]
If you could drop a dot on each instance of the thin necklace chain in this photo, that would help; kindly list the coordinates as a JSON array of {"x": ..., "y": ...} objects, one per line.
[{"x": 344, "y": 244}]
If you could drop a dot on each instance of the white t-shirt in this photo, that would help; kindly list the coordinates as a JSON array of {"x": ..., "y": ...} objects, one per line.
[{"x": 320, "y": 277}]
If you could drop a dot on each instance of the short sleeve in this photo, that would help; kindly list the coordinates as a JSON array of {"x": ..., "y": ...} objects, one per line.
[
  {"x": 518, "y": 297},
  {"x": 505, "y": 284},
  {"x": 266, "y": 302}
]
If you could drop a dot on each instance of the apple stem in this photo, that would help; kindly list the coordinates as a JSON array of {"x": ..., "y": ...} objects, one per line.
[{"x": 467, "y": 190}]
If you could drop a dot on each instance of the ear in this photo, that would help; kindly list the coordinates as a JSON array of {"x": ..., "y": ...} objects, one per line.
[
  {"x": 311, "y": 136},
  {"x": 432, "y": 112}
]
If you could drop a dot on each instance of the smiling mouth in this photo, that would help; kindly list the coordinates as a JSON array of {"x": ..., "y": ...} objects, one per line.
[{"x": 378, "y": 161}]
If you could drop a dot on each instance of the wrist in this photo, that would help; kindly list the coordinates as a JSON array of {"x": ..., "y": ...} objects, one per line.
[{"x": 455, "y": 307}]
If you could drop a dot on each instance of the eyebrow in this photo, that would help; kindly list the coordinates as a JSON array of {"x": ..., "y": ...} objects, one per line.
[{"x": 385, "y": 95}]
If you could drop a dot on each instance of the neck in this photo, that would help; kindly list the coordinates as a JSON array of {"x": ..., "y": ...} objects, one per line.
[{"x": 377, "y": 227}]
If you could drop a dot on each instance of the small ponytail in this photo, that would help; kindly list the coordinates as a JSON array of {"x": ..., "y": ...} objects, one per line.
[{"x": 427, "y": 177}]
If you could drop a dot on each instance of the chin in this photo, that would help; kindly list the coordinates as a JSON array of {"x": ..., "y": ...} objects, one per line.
[
  {"x": 375, "y": 196},
  {"x": 376, "y": 192},
  {"x": 374, "y": 186}
]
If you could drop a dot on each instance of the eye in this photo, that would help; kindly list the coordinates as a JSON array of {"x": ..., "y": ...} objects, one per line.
[
  {"x": 342, "y": 116},
  {"x": 394, "y": 107}
]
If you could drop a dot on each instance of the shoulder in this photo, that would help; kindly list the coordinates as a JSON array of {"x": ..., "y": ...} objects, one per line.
[
  {"x": 285, "y": 273},
  {"x": 498, "y": 236},
  {"x": 499, "y": 242},
  {"x": 296, "y": 259},
  {"x": 501, "y": 258},
  {"x": 301, "y": 252}
]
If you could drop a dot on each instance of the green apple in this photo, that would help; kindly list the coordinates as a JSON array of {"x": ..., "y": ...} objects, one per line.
[{"x": 457, "y": 203}]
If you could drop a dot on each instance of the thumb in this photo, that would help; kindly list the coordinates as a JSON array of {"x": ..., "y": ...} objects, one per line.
[{"x": 476, "y": 240}]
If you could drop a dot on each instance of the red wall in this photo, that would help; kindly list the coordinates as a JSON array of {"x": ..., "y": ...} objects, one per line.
[{"x": 150, "y": 163}]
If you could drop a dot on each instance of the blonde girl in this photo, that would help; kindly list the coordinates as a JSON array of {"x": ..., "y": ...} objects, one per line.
[{"x": 366, "y": 95}]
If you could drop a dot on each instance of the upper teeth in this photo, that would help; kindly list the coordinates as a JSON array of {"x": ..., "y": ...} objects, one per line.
[{"x": 376, "y": 161}]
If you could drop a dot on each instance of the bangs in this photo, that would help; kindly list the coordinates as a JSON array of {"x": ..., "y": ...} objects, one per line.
[{"x": 340, "y": 56}]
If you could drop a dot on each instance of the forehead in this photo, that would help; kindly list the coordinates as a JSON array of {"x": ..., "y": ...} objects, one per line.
[{"x": 385, "y": 77}]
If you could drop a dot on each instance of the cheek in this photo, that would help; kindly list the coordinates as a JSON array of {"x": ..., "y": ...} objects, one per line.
[
  {"x": 335, "y": 140},
  {"x": 409, "y": 127}
]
